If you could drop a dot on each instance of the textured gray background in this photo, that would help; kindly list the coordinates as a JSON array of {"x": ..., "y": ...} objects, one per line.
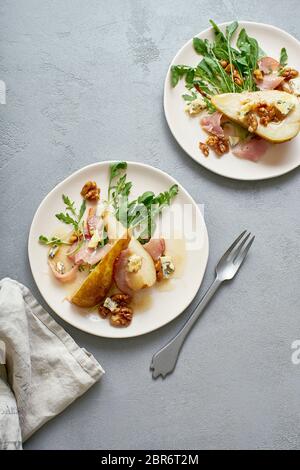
[{"x": 84, "y": 83}]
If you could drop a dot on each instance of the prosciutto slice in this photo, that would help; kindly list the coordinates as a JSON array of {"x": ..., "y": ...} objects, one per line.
[
  {"x": 252, "y": 149},
  {"x": 211, "y": 123},
  {"x": 120, "y": 272},
  {"x": 69, "y": 276},
  {"x": 269, "y": 82},
  {"x": 155, "y": 247},
  {"x": 89, "y": 255},
  {"x": 268, "y": 65},
  {"x": 93, "y": 223}
]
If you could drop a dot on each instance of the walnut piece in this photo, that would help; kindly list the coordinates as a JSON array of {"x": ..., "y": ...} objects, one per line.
[
  {"x": 231, "y": 70},
  {"x": 289, "y": 73},
  {"x": 159, "y": 271},
  {"x": 121, "y": 299},
  {"x": 73, "y": 238},
  {"x": 204, "y": 149},
  {"x": 90, "y": 191},
  {"x": 219, "y": 144},
  {"x": 122, "y": 316},
  {"x": 252, "y": 121},
  {"x": 238, "y": 81},
  {"x": 267, "y": 113},
  {"x": 103, "y": 311},
  {"x": 258, "y": 74}
]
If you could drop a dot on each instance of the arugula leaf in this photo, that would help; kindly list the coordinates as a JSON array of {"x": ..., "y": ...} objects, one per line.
[
  {"x": 231, "y": 29},
  {"x": 75, "y": 219},
  {"x": 52, "y": 241},
  {"x": 67, "y": 219},
  {"x": 220, "y": 38},
  {"x": 115, "y": 170},
  {"x": 191, "y": 97},
  {"x": 140, "y": 213},
  {"x": 209, "y": 76},
  {"x": 283, "y": 57},
  {"x": 210, "y": 107},
  {"x": 70, "y": 204},
  {"x": 82, "y": 210},
  {"x": 179, "y": 71},
  {"x": 200, "y": 46},
  {"x": 166, "y": 197}
]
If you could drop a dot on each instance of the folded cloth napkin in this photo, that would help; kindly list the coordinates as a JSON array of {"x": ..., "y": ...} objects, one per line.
[{"x": 45, "y": 369}]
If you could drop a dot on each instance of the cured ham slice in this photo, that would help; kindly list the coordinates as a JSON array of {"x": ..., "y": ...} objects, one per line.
[
  {"x": 155, "y": 247},
  {"x": 271, "y": 79},
  {"x": 269, "y": 82},
  {"x": 90, "y": 256},
  {"x": 120, "y": 273},
  {"x": 268, "y": 65},
  {"x": 211, "y": 123},
  {"x": 93, "y": 223},
  {"x": 252, "y": 149},
  {"x": 69, "y": 276}
]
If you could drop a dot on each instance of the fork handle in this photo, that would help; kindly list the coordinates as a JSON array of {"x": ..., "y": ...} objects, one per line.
[
  {"x": 199, "y": 309},
  {"x": 175, "y": 344}
]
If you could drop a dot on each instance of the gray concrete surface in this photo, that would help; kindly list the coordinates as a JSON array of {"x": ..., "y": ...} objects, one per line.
[{"x": 85, "y": 83}]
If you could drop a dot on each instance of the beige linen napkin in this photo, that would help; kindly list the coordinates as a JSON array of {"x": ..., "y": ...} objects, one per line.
[{"x": 46, "y": 370}]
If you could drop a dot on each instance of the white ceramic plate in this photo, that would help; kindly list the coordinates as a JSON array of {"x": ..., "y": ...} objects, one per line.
[
  {"x": 280, "y": 159},
  {"x": 156, "y": 307}
]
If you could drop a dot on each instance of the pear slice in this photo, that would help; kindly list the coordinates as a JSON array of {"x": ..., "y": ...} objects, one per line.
[
  {"x": 114, "y": 228},
  {"x": 146, "y": 275},
  {"x": 236, "y": 105},
  {"x": 95, "y": 287}
]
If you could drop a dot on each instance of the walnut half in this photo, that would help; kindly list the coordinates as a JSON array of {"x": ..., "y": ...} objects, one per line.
[
  {"x": 121, "y": 299},
  {"x": 90, "y": 191},
  {"x": 204, "y": 149},
  {"x": 122, "y": 316}
]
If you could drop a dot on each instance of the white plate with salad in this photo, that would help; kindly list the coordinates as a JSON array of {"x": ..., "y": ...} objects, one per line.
[
  {"x": 118, "y": 249},
  {"x": 231, "y": 100}
]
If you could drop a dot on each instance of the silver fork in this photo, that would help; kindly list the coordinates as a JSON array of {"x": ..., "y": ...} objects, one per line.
[{"x": 164, "y": 361}]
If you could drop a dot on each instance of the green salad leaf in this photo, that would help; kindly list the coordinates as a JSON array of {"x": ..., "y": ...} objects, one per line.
[
  {"x": 209, "y": 77},
  {"x": 70, "y": 216},
  {"x": 283, "y": 57},
  {"x": 51, "y": 241},
  {"x": 140, "y": 213}
]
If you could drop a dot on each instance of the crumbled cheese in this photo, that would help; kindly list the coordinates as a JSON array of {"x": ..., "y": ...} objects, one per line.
[
  {"x": 134, "y": 263},
  {"x": 167, "y": 266},
  {"x": 53, "y": 251},
  {"x": 195, "y": 106},
  {"x": 93, "y": 243},
  {"x": 60, "y": 267},
  {"x": 295, "y": 86},
  {"x": 110, "y": 304},
  {"x": 284, "y": 106}
]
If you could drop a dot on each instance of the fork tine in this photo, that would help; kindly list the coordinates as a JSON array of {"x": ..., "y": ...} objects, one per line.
[
  {"x": 242, "y": 255},
  {"x": 238, "y": 249},
  {"x": 227, "y": 253}
]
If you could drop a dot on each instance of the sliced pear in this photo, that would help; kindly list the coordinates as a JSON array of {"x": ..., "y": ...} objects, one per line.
[
  {"x": 95, "y": 287},
  {"x": 114, "y": 228},
  {"x": 146, "y": 275},
  {"x": 235, "y": 106}
]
